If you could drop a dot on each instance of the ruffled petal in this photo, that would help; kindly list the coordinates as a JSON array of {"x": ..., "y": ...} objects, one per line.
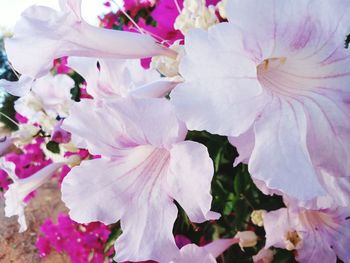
[
  {"x": 280, "y": 157},
  {"x": 112, "y": 78},
  {"x": 17, "y": 88},
  {"x": 156, "y": 89},
  {"x": 276, "y": 225},
  {"x": 148, "y": 114},
  {"x": 329, "y": 132},
  {"x": 193, "y": 253},
  {"x": 20, "y": 188},
  {"x": 244, "y": 145},
  {"x": 307, "y": 27},
  {"x": 44, "y": 34},
  {"x": 315, "y": 249},
  {"x": 189, "y": 180},
  {"x": 131, "y": 191},
  {"x": 147, "y": 230},
  {"x": 224, "y": 98},
  {"x": 217, "y": 247}
]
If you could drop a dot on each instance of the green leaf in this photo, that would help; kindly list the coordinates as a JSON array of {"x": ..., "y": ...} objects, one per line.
[
  {"x": 238, "y": 183},
  {"x": 53, "y": 147}
]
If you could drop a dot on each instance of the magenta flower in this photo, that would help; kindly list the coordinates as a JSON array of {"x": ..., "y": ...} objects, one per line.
[
  {"x": 145, "y": 166},
  {"x": 81, "y": 242},
  {"x": 277, "y": 84},
  {"x": 59, "y": 135}
]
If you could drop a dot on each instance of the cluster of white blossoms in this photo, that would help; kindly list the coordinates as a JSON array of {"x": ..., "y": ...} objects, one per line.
[
  {"x": 195, "y": 14},
  {"x": 274, "y": 78}
]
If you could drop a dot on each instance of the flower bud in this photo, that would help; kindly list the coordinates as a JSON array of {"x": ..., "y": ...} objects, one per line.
[
  {"x": 246, "y": 239},
  {"x": 257, "y": 217}
]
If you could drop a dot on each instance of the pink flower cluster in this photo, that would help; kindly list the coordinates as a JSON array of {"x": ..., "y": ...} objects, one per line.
[
  {"x": 81, "y": 242},
  {"x": 30, "y": 160}
]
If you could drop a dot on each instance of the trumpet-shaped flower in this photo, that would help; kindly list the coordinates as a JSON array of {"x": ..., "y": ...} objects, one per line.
[
  {"x": 20, "y": 188},
  {"x": 112, "y": 78},
  {"x": 44, "y": 34},
  {"x": 318, "y": 236},
  {"x": 274, "y": 78},
  {"x": 50, "y": 95},
  {"x": 145, "y": 166}
]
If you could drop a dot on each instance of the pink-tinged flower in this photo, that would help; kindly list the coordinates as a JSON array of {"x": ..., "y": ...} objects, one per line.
[
  {"x": 145, "y": 166},
  {"x": 59, "y": 135},
  {"x": 79, "y": 156},
  {"x": 44, "y": 34},
  {"x": 263, "y": 256},
  {"x": 205, "y": 254},
  {"x": 50, "y": 96},
  {"x": 111, "y": 78},
  {"x": 337, "y": 188},
  {"x": 20, "y": 188},
  {"x": 317, "y": 235},
  {"x": 17, "y": 88},
  {"x": 281, "y": 87}
]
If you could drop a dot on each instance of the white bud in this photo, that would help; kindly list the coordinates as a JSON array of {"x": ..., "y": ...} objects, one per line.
[
  {"x": 246, "y": 239},
  {"x": 257, "y": 217}
]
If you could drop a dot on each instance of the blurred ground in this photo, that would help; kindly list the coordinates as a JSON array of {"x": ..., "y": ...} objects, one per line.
[{"x": 20, "y": 247}]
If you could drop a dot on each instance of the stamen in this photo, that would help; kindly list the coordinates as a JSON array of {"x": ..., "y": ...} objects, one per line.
[
  {"x": 131, "y": 20},
  {"x": 10, "y": 119},
  {"x": 293, "y": 240}
]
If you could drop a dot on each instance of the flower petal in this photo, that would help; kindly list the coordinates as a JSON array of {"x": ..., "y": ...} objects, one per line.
[
  {"x": 17, "y": 88},
  {"x": 44, "y": 34},
  {"x": 329, "y": 132},
  {"x": 245, "y": 145},
  {"x": 193, "y": 253},
  {"x": 224, "y": 98},
  {"x": 217, "y": 247},
  {"x": 20, "y": 188},
  {"x": 280, "y": 157},
  {"x": 108, "y": 78},
  {"x": 189, "y": 180},
  {"x": 156, "y": 89},
  {"x": 306, "y": 26},
  {"x": 132, "y": 192},
  {"x": 147, "y": 231}
]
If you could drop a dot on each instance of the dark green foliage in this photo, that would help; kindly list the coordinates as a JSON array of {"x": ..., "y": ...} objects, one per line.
[
  {"x": 53, "y": 147},
  {"x": 6, "y": 107},
  {"x": 347, "y": 41}
]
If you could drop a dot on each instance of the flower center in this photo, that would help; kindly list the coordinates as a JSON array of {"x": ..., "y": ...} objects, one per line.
[
  {"x": 285, "y": 76},
  {"x": 292, "y": 240}
]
